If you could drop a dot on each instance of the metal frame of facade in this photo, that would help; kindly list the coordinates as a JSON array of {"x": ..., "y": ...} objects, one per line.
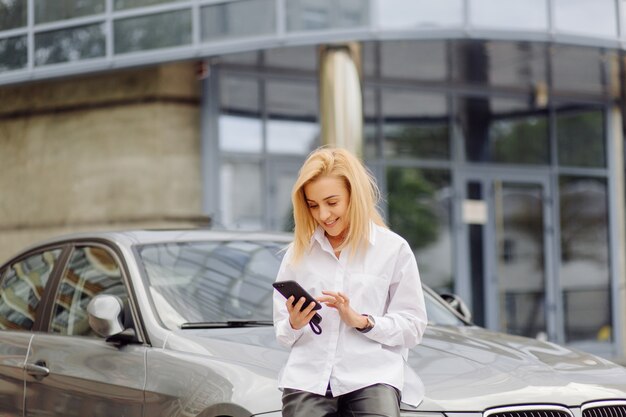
[
  {"x": 281, "y": 36},
  {"x": 460, "y": 170}
]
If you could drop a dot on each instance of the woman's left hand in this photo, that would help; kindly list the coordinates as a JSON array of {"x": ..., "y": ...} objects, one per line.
[{"x": 341, "y": 303}]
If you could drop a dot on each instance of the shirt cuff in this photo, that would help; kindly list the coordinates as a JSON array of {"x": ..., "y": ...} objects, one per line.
[{"x": 285, "y": 334}]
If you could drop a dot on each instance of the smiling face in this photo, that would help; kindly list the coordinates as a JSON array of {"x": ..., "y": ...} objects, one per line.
[{"x": 328, "y": 199}]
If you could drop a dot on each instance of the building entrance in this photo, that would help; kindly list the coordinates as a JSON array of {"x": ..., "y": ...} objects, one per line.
[{"x": 508, "y": 236}]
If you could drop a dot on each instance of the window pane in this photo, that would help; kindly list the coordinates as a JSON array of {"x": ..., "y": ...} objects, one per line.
[
  {"x": 69, "y": 44},
  {"x": 281, "y": 178},
  {"x": 238, "y": 19},
  {"x": 369, "y": 58},
  {"x": 292, "y": 136},
  {"x": 300, "y": 58},
  {"x": 578, "y": 70},
  {"x": 152, "y": 32},
  {"x": 22, "y": 289},
  {"x": 423, "y": 14},
  {"x": 586, "y": 17},
  {"x": 91, "y": 271},
  {"x": 129, "y": 4},
  {"x": 303, "y": 15},
  {"x": 242, "y": 196},
  {"x": 415, "y": 125},
  {"x": 12, "y": 14},
  {"x": 584, "y": 270},
  {"x": 504, "y": 130},
  {"x": 419, "y": 207},
  {"x": 240, "y": 123},
  {"x": 502, "y": 63},
  {"x": 49, "y": 11},
  {"x": 370, "y": 131},
  {"x": 240, "y": 133},
  {"x": 13, "y": 53},
  {"x": 292, "y": 111},
  {"x": 580, "y": 137},
  {"x": 517, "y": 64},
  {"x": 244, "y": 58},
  {"x": 405, "y": 59},
  {"x": 509, "y": 14}
]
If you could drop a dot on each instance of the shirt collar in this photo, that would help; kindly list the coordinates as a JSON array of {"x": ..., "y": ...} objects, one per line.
[
  {"x": 318, "y": 235},
  {"x": 373, "y": 231}
]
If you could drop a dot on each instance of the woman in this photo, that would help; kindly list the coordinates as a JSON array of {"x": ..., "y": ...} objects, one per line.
[{"x": 344, "y": 255}]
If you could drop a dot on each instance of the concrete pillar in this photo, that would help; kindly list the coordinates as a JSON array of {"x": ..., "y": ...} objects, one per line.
[
  {"x": 105, "y": 151},
  {"x": 341, "y": 103}
]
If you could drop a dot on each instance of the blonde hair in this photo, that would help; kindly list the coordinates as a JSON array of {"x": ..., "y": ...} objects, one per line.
[{"x": 363, "y": 198}]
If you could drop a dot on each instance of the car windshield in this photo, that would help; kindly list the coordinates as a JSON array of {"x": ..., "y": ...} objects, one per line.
[{"x": 225, "y": 282}]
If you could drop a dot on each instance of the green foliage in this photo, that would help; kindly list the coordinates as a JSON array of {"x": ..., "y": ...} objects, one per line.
[
  {"x": 581, "y": 139},
  {"x": 521, "y": 141},
  {"x": 411, "y": 208},
  {"x": 12, "y": 14}
]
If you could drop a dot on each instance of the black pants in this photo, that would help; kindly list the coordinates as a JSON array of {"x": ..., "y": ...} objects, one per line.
[{"x": 375, "y": 400}]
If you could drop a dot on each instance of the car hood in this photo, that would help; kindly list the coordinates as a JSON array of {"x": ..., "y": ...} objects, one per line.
[
  {"x": 463, "y": 369},
  {"x": 471, "y": 368}
]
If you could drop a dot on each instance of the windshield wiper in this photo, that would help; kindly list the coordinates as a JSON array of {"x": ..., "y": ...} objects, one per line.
[{"x": 226, "y": 324}]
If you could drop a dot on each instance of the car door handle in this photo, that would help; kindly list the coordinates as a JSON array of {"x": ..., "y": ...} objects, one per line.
[{"x": 38, "y": 369}]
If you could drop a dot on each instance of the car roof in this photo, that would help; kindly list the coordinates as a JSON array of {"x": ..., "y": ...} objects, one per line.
[{"x": 132, "y": 237}]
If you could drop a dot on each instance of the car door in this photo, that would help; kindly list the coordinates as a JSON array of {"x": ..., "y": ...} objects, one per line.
[
  {"x": 74, "y": 372},
  {"x": 22, "y": 284}
]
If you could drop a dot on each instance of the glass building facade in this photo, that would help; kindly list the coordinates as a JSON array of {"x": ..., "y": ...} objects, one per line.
[{"x": 494, "y": 129}]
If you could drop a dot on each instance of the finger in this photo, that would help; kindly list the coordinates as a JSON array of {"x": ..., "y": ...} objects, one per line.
[
  {"x": 310, "y": 316},
  {"x": 333, "y": 294},
  {"x": 289, "y": 304},
  {"x": 298, "y": 306},
  {"x": 325, "y": 299},
  {"x": 343, "y": 297}
]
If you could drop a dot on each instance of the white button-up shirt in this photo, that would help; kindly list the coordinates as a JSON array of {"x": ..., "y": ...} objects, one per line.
[{"x": 382, "y": 281}]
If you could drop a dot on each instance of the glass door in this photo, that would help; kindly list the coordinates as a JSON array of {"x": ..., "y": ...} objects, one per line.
[
  {"x": 520, "y": 265},
  {"x": 508, "y": 238}
]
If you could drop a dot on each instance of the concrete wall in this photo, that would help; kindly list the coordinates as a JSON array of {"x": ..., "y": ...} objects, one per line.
[{"x": 108, "y": 151}]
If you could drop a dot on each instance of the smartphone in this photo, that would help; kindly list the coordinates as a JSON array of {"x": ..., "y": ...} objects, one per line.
[{"x": 289, "y": 288}]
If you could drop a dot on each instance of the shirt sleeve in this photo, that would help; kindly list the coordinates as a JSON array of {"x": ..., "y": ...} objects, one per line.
[
  {"x": 285, "y": 334},
  {"x": 405, "y": 320}
]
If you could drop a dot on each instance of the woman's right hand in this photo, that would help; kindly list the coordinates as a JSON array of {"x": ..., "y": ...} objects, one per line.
[{"x": 297, "y": 318}]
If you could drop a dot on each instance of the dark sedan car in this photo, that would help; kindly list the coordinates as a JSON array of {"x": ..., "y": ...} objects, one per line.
[{"x": 178, "y": 323}]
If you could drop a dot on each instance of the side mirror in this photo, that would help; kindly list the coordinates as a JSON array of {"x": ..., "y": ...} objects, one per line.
[
  {"x": 458, "y": 305},
  {"x": 106, "y": 317}
]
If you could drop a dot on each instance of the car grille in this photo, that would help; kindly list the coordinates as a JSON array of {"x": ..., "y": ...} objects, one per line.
[
  {"x": 605, "y": 409},
  {"x": 539, "y": 410}
]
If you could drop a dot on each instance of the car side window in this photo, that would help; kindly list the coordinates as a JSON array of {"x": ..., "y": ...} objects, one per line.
[
  {"x": 22, "y": 288},
  {"x": 91, "y": 270}
]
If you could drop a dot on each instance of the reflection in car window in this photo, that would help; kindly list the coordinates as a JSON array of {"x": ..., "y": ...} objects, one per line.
[
  {"x": 212, "y": 281},
  {"x": 221, "y": 281},
  {"x": 438, "y": 313},
  {"x": 22, "y": 288},
  {"x": 91, "y": 271}
]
